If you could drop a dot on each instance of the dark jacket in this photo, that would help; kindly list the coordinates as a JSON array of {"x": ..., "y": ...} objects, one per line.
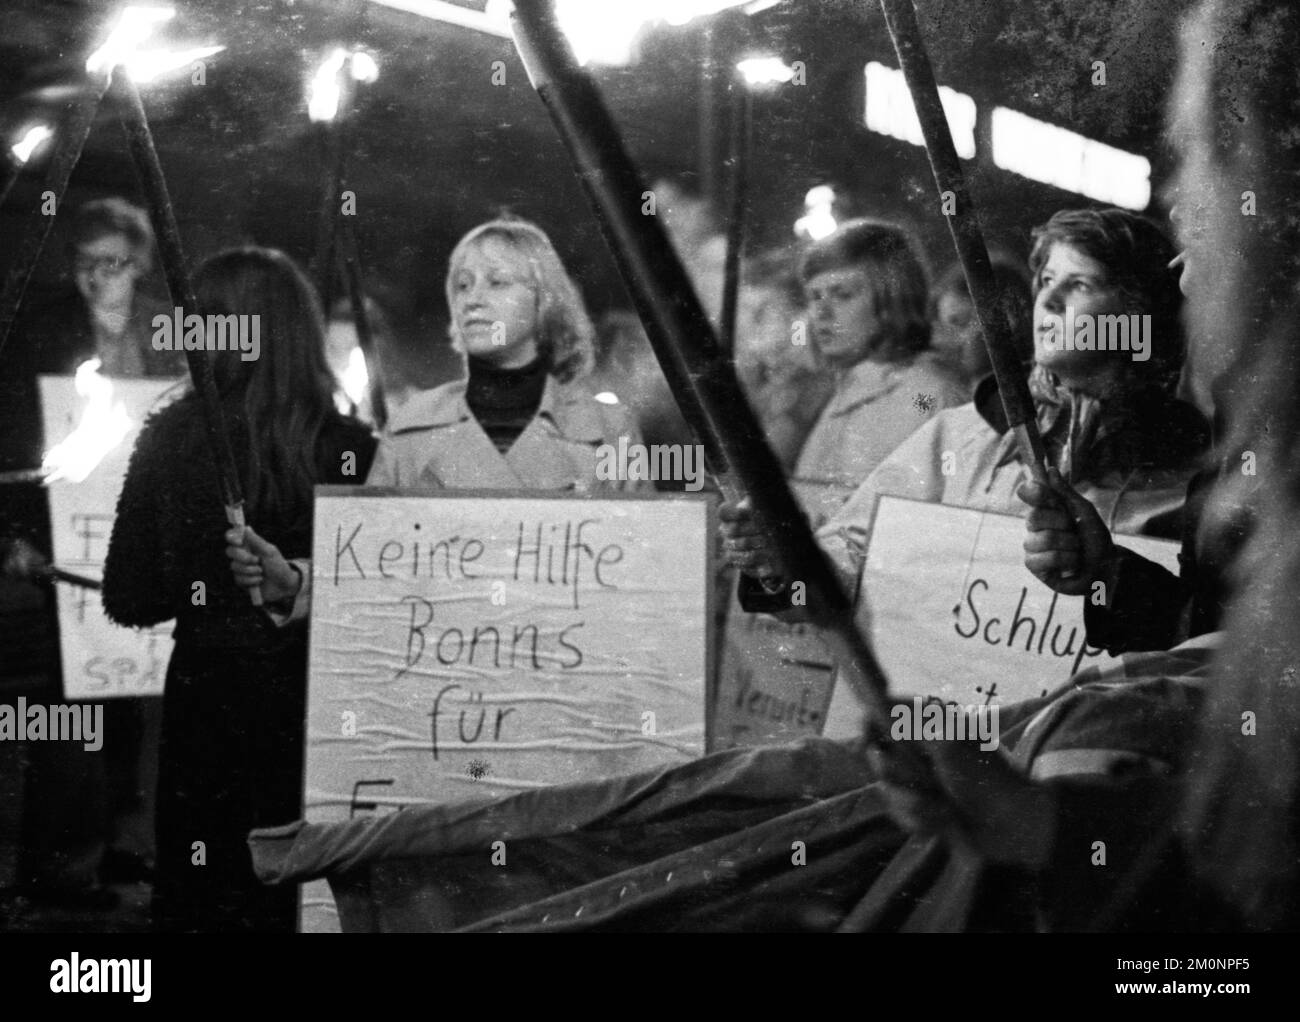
[
  {"x": 167, "y": 537},
  {"x": 234, "y": 703},
  {"x": 1151, "y": 608}
]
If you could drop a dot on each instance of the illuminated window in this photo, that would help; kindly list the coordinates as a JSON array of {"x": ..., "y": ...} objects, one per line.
[
  {"x": 1044, "y": 152},
  {"x": 890, "y": 110}
]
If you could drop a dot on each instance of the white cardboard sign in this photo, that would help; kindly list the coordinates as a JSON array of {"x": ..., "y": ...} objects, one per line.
[
  {"x": 468, "y": 644},
  {"x": 954, "y": 612},
  {"x": 100, "y": 659}
]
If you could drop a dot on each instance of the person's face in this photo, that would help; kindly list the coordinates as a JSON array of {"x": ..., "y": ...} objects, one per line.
[
  {"x": 106, "y": 272},
  {"x": 1072, "y": 284},
  {"x": 955, "y": 333},
  {"x": 842, "y": 315},
  {"x": 494, "y": 304}
]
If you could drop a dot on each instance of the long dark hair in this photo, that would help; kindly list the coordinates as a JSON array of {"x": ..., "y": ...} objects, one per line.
[{"x": 284, "y": 397}]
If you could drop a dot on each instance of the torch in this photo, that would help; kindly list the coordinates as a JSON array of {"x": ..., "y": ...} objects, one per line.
[
  {"x": 331, "y": 102},
  {"x": 154, "y": 186},
  {"x": 66, "y": 154},
  {"x": 18, "y": 155},
  {"x": 54, "y": 573},
  {"x": 697, "y": 369},
  {"x": 967, "y": 237},
  {"x": 361, "y": 320},
  {"x": 752, "y": 74},
  {"x": 122, "y": 47}
]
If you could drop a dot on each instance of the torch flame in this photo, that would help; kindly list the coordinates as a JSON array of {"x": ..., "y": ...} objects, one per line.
[
  {"x": 104, "y": 424},
  {"x": 765, "y": 71},
  {"x": 135, "y": 25},
  {"x": 324, "y": 92},
  {"x": 355, "y": 379},
  {"x": 146, "y": 65},
  {"x": 818, "y": 220},
  {"x": 122, "y": 48},
  {"x": 28, "y": 144}
]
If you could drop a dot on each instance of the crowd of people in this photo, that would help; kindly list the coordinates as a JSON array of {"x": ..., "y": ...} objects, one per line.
[{"x": 870, "y": 380}]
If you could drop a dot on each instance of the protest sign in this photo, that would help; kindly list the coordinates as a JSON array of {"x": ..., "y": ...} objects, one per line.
[
  {"x": 468, "y": 644},
  {"x": 953, "y": 611},
  {"x": 100, "y": 659},
  {"x": 774, "y": 679}
]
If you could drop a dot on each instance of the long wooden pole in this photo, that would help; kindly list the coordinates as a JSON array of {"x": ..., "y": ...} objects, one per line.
[
  {"x": 67, "y": 151},
  {"x": 697, "y": 369},
  {"x": 964, "y": 226},
  {"x": 175, "y": 268},
  {"x": 742, "y": 132}
]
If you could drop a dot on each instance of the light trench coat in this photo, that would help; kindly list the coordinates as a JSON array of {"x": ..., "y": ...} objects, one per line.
[
  {"x": 985, "y": 471},
  {"x": 875, "y": 407},
  {"x": 434, "y": 441}
]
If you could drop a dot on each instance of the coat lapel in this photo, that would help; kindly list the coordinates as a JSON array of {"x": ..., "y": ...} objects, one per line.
[{"x": 464, "y": 458}]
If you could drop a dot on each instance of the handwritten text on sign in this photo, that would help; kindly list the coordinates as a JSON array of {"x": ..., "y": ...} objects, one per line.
[
  {"x": 953, "y": 611},
  {"x": 467, "y": 645},
  {"x": 774, "y": 678},
  {"x": 472, "y": 645},
  {"x": 100, "y": 659}
]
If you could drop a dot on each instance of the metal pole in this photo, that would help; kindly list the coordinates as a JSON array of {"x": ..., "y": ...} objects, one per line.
[
  {"x": 697, "y": 369},
  {"x": 154, "y": 186}
]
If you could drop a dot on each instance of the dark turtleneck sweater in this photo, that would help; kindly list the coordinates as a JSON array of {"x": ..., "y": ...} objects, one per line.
[{"x": 504, "y": 400}]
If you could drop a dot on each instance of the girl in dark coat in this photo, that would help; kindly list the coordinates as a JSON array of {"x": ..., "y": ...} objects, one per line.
[{"x": 234, "y": 703}]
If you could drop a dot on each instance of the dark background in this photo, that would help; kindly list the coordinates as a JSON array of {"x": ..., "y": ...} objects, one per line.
[{"x": 438, "y": 148}]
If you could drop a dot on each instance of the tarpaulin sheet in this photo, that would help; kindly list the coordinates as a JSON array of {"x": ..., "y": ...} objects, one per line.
[{"x": 784, "y": 837}]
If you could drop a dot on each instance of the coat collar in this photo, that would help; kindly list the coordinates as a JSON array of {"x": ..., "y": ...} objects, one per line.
[
  {"x": 864, "y": 382},
  {"x": 568, "y": 406}
]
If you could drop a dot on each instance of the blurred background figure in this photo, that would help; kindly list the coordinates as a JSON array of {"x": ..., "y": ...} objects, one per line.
[
  {"x": 356, "y": 376},
  {"x": 110, "y": 316},
  {"x": 955, "y": 332},
  {"x": 778, "y": 368},
  {"x": 627, "y": 373},
  {"x": 866, "y": 292},
  {"x": 85, "y": 818},
  {"x": 697, "y": 235}
]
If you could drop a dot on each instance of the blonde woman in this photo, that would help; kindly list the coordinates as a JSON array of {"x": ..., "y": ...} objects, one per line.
[{"x": 522, "y": 418}]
